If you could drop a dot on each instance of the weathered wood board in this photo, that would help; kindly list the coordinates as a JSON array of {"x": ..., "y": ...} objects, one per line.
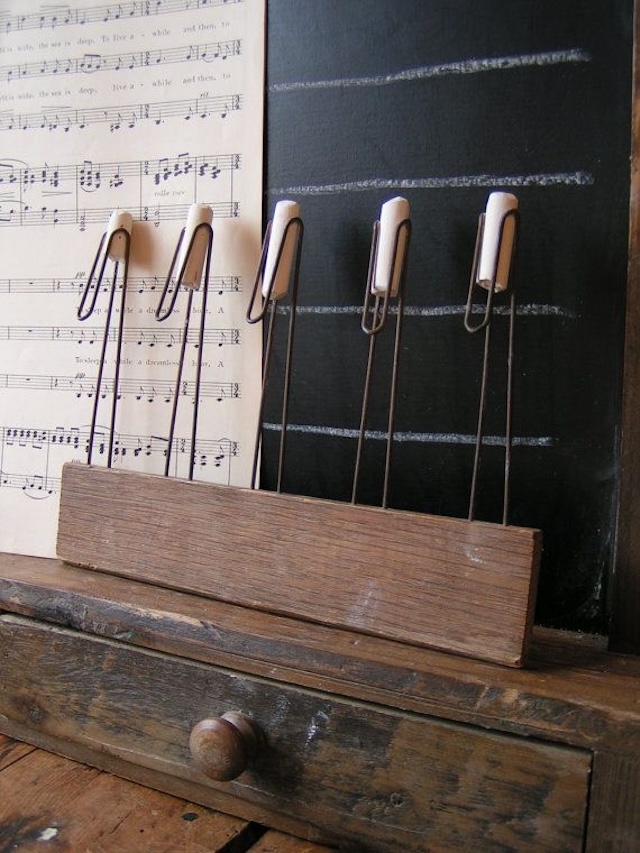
[
  {"x": 47, "y": 801},
  {"x": 354, "y": 771},
  {"x": 460, "y": 586}
]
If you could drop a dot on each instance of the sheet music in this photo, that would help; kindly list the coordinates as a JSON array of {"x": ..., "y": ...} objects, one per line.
[{"x": 146, "y": 106}]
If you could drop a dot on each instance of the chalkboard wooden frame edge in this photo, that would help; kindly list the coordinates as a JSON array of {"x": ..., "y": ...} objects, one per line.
[{"x": 624, "y": 631}]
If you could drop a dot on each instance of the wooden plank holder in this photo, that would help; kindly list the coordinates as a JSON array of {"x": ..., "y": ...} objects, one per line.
[
  {"x": 462, "y": 586},
  {"x": 452, "y": 584}
]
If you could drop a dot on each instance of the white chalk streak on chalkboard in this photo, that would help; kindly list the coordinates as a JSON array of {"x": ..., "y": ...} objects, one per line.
[
  {"x": 466, "y": 66},
  {"x": 543, "y": 179},
  {"x": 531, "y": 310},
  {"x": 421, "y": 437}
]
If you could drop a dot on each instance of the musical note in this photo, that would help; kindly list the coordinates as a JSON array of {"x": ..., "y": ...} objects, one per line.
[
  {"x": 27, "y": 482},
  {"x": 25, "y": 437},
  {"x": 89, "y": 178},
  {"x": 37, "y": 486},
  {"x": 69, "y": 437}
]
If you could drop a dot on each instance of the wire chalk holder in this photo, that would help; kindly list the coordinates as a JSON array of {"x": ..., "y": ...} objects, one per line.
[
  {"x": 491, "y": 268},
  {"x": 457, "y": 585},
  {"x": 115, "y": 247},
  {"x": 385, "y": 281},
  {"x": 191, "y": 258},
  {"x": 277, "y": 275}
]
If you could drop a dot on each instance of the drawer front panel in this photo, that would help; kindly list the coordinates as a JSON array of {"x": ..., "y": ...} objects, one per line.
[{"x": 385, "y": 780}]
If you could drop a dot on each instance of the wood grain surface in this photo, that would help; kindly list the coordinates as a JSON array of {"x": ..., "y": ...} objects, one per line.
[
  {"x": 361, "y": 773},
  {"x": 465, "y": 587},
  {"x": 572, "y": 691},
  {"x": 50, "y": 802}
]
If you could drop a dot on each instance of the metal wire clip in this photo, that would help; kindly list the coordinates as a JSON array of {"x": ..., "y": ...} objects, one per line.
[
  {"x": 492, "y": 265},
  {"x": 277, "y": 274},
  {"x": 385, "y": 280},
  {"x": 192, "y": 256},
  {"x": 115, "y": 245}
]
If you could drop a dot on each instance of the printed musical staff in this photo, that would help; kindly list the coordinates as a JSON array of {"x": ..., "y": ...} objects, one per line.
[
  {"x": 140, "y": 284},
  {"x": 159, "y": 336},
  {"x": 146, "y": 106},
  {"x": 90, "y": 176},
  {"x": 92, "y": 63},
  {"x": 143, "y": 390},
  {"x": 47, "y": 215},
  {"x": 122, "y": 117},
  {"x": 27, "y": 454},
  {"x": 65, "y": 16},
  {"x": 76, "y": 438},
  {"x": 50, "y": 195},
  {"x": 33, "y": 486}
]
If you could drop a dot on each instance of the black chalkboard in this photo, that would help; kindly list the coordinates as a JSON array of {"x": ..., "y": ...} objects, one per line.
[{"x": 442, "y": 101}]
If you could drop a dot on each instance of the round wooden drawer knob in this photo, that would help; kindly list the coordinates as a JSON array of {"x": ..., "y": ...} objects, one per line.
[{"x": 223, "y": 747}]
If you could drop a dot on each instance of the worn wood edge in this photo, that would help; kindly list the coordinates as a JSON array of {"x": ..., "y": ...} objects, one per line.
[
  {"x": 497, "y": 614},
  {"x": 614, "y": 816},
  {"x": 574, "y": 692},
  {"x": 275, "y": 842},
  {"x": 174, "y": 785},
  {"x": 11, "y": 751},
  {"x": 51, "y": 790},
  {"x": 625, "y": 579}
]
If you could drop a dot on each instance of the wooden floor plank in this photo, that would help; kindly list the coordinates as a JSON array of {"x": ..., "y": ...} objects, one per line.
[
  {"x": 12, "y": 750},
  {"x": 44, "y": 797},
  {"x": 277, "y": 842}
]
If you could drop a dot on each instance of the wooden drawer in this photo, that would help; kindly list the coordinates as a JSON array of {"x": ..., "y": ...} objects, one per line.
[{"x": 383, "y": 780}]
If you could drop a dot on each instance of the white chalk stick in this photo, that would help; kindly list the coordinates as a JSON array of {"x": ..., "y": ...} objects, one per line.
[
  {"x": 389, "y": 262},
  {"x": 284, "y": 212},
  {"x": 121, "y": 221},
  {"x": 193, "y": 261},
  {"x": 499, "y": 206}
]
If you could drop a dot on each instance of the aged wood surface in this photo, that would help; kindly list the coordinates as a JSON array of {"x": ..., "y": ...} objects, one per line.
[
  {"x": 625, "y": 599},
  {"x": 277, "y": 842},
  {"x": 50, "y": 802},
  {"x": 174, "y": 785},
  {"x": 614, "y": 810},
  {"x": 11, "y": 750},
  {"x": 572, "y": 691},
  {"x": 461, "y": 586},
  {"x": 386, "y": 780}
]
